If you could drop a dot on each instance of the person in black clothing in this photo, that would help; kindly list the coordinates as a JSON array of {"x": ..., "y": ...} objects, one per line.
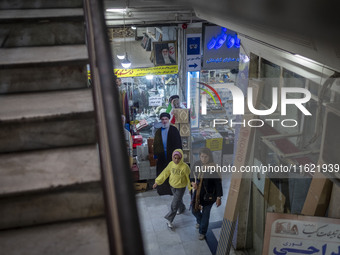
[
  {"x": 167, "y": 139},
  {"x": 207, "y": 191}
]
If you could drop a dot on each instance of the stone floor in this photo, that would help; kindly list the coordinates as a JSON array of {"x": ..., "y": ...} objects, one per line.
[{"x": 183, "y": 239}]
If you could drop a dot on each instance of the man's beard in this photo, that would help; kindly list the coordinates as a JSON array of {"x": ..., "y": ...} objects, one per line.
[
  {"x": 166, "y": 59},
  {"x": 166, "y": 125}
]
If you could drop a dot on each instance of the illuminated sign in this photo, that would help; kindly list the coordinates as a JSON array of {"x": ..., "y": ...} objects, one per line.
[
  {"x": 193, "y": 55},
  {"x": 221, "y": 48},
  {"x": 229, "y": 40}
]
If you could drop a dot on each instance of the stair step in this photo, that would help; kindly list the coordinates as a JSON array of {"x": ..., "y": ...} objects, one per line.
[
  {"x": 29, "y": 4},
  {"x": 42, "y": 55},
  {"x": 46, "y": 169},
  {"x": 29, "y": 106},
  {"x": 32, "y": 33},
  {"x": 69, "y": 203},
  {"x": 43, "y": 78},
  {"x": 46, "y": 120},
  {"x": 40, "y": 14},
  {"x": 49, "y": 186},
  {"x": 86, "y": 237}
]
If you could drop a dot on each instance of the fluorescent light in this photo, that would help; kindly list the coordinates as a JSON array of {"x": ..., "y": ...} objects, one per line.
[
  {"x": 133, "y": 27},
  {"x": 116, "y": 10},
  {"x": 304, "y": 58},
  {"x": 149, "y": 77},
  {"x": 188, "y": 90}
]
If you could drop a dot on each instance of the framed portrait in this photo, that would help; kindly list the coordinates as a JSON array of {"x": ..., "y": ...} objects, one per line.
[
  {"x": 165, "y": 53},
  {"x": 144, "y": 41}
]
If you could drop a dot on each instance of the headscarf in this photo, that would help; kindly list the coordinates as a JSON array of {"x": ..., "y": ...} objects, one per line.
[{"x": 176, "y": 152}]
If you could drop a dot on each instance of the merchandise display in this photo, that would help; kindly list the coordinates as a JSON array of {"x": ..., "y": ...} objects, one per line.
[
  {"x": 218, "y": 138},
  {"x": 142, "y": 101}
]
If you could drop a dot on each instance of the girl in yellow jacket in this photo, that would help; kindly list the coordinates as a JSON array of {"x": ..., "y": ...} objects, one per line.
[{"x": 178, "y": 173}]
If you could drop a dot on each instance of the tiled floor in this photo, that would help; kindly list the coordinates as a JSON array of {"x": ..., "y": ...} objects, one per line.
[{"x": 183, "y": 239}]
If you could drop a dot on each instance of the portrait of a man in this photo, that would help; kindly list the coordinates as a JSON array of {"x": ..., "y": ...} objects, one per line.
[{"x": 165, "y": 53}]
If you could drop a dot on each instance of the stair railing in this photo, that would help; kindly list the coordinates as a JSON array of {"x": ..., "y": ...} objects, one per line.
[{"x": 121, "y": 211}]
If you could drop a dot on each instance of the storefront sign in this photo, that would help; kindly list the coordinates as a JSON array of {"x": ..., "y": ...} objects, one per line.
[
  {"x": 193, "y": 52},
  {"x": 295, "y": 234},
  {"x": 158, "y": 70},
  {"x": 155, "y": 101},
  {"x": 221, "y": 48}
]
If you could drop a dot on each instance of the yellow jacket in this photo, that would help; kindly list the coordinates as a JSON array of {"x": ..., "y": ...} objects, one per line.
[{"x": 179, "y": 174}]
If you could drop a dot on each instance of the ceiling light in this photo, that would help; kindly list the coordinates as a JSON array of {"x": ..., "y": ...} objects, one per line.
[
  {"x": 120, "y": 56},
  {"x": 126, "y": 62},
  {"x": 133, "y": 27},
  {"x": 116, "y": 10}
]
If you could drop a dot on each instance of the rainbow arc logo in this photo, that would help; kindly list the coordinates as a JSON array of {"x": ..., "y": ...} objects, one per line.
[{"x": 204, "y": 96}]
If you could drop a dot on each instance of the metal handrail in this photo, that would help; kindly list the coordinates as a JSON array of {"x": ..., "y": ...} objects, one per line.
[{"x": 121, "y": 211}]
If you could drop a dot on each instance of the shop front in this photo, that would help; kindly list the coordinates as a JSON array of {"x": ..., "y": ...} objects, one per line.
[
  {"x": 210, "y": 92},
  {"x": 145, "y": 93}
]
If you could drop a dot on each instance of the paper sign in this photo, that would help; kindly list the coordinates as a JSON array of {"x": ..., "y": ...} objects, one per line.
[
  {"x": 294, "y": 234},
  {"x": 155, "y": 101}
]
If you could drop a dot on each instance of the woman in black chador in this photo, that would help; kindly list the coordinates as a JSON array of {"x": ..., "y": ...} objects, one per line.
[{"x": 207, "y": 191}]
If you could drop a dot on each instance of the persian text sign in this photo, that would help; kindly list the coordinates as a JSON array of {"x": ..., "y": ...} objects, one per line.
[
  {"x": 218, "y": 52},
  {"x": 158, "y": 70},
  {"x": 193, "y": 52},
  {"x": 155, "y": 101},
  {"x": 294, "y": 234}
]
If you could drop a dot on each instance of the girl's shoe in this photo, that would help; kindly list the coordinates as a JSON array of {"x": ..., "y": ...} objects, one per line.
[
  {"x": 201, "y": 237},
  {"x": 169, "y": 224},
  {"x": 180, "y": 212}
]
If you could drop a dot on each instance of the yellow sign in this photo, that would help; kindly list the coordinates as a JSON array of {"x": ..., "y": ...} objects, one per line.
[{"x": 157, "y": 70}]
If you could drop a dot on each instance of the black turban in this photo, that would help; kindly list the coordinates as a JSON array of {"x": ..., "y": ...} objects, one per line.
[
  {"x": 173, "y": 97},
  {"x": 164, "y": 114}
]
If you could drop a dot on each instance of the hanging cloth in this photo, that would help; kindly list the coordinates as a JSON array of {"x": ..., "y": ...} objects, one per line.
[{"x": 126, "y": 108}]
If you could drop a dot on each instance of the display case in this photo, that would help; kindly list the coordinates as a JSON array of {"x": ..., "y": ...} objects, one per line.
[{"x": 212, "y": 86}]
